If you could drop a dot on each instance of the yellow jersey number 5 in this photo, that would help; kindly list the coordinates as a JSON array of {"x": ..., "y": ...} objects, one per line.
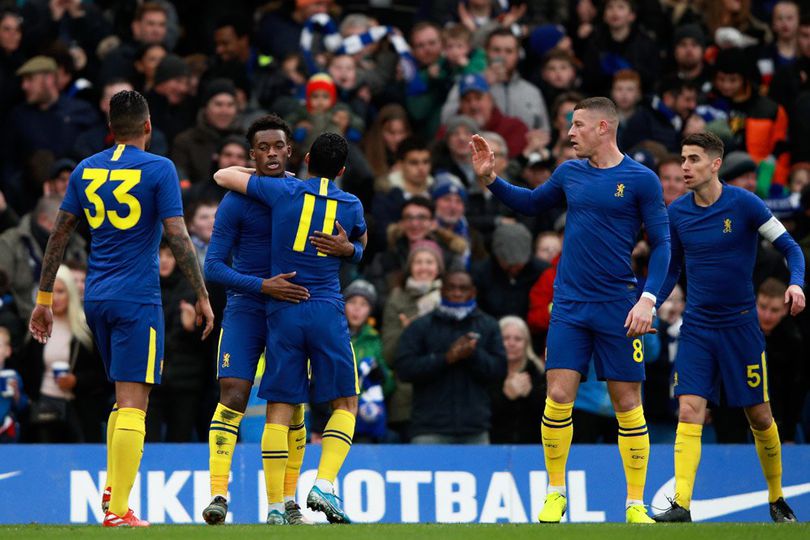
[{"x": 129, "y": 178}]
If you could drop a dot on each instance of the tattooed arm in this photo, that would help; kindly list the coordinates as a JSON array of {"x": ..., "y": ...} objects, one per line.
[
  {"x": 41, "y": 322},
  {"x": 175, "y": 231}
]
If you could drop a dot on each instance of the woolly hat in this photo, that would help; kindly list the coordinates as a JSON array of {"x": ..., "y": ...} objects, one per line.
[
  {"x": 693, "y": 31},
  {"x": 361, "y": 287},
  {"x": 455, "y": 122},
  {"x": 736, "y": 164},
  {"x": 545, "y": 37},
  {"x": 446, "y": 183},
  {"x": 429, "y": 246},
  {"x": 321, "y": 81},
  {"x": 171, "y": 67},
  {"x": 512, "y": 243},
  {"x": 216, "y": 87}
]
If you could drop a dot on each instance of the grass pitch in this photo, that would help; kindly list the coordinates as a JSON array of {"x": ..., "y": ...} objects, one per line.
[{"x": 601, "y": 531}]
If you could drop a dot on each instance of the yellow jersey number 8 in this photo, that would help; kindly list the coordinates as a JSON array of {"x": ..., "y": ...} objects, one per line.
[{"x": 129, "y": 178}]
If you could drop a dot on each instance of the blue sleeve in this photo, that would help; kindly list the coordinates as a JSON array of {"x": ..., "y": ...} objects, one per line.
[
  {"x": 675, "y": 262},
  {"x": 359, "y": 223},
  {"x": 263, "y": 191},
  {"x": 226, "y": 230},
  {"x": 530, "y": 202},
  {"x": 795, "y": 258},
  {"x": 71, "y": 203},
  {"x": 656, "y": 222},
  {"x": 169, "y": 200}
]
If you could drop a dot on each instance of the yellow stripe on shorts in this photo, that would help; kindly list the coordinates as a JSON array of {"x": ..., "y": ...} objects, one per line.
[{"x": 150, "y": 360}]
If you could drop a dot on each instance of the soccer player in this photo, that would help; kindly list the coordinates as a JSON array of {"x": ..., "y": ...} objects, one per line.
[
  {"x": 242, "y": 232},
  {"x": 124, "y": 193},
  {"x": 608, "y": 196},
  {"x": 314, "y": 329},
  {"x": 715, "y": 230}
]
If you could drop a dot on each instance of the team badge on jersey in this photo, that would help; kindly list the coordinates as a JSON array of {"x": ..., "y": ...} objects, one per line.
[
  {"x": 726, "y": 225},
  {"x": 619, "y": 190}
]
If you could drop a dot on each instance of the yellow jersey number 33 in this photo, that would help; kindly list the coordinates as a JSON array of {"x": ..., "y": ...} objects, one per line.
[{"x": 129, "y": 178}]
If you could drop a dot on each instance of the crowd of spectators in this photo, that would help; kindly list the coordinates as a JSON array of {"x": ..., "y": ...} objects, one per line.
[{"x": 450, "y": 306}]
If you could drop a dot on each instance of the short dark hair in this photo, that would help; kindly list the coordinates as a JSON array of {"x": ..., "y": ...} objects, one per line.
[
  {"x": 128, "y": 112},
  {"x": 772, "y": 288},
  {"x": 599, "y": 104},
  {"x": 240, "y": 25},
  {"x": 707, "y": 140},
  {"x": 675, "y": 85},
  {"x": 147, "y": 7},
  {"x": 500, "y": 32},
  {"x": 268, "y": 122},
  {"x": 410, "y": 144},
  {"x": 327, "y": 155},
  {"x": 420, "y": 201}
]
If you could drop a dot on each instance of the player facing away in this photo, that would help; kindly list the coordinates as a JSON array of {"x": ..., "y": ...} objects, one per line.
[
  {"x": 715, "y": 229},
  {"x": 242, "y": 232},
  {"x": 124, "y": 193},
  {"x": 315, "y": 329},
  {"x": 597, "y": 312}
]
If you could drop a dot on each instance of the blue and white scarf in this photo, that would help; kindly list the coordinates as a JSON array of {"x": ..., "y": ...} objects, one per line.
[{"x": 456, "y": 310}]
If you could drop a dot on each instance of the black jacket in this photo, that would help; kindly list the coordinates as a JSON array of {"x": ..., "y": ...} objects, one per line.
[
  {"x": 498, "y": 294},
  {"x": 518, "y": 421},
  {"x": 451, "y": 399}
]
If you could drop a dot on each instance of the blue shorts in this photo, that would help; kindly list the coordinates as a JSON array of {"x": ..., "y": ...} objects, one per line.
[
  {"x": 129, "y": 337},
  {"x": 734, "y": 355},
  {"x": 314, "y": 330},
  {"x": 241, "y": 343},
  {"x": 581, "y": 330}
]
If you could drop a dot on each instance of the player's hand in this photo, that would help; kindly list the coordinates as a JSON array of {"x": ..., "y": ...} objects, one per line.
[
  {"x": 41, "y": 323},
  {"x": 639, "y": 320},
  {"x": 336, "y": 245},
  {"x": 281, "y": 289},
  {"x": 204, "y": 311},
  {"x": 794, "y": 298},
  {"x": 483, "y": 160}
]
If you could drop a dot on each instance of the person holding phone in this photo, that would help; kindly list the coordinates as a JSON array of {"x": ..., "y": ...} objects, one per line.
[{"x": 454, "y": 356}]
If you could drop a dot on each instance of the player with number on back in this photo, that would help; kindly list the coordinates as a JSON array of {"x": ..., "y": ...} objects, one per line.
[
  {"x": 608, "y": 196},
  {"x": 242, "y": 233},
  {"x": 314, "y": 329},
  {"x": 716, "y": 229},
  {"x": 124, "y": 193}
]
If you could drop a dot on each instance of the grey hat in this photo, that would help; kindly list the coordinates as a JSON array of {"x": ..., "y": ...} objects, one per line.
[
  {"x": 171, "y": 67},
  {"x": 361, "y": 287},
  {"x": 512, "y": 243},
  {"x": 455, "y": 122},
  {"x": 736, "y": 164}
]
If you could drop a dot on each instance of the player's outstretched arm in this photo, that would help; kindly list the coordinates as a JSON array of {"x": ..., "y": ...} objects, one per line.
[
  {"x": 174, "y": 228},
  {"x": 41, "y": 322},
  {"x": 234, "y": 178}
]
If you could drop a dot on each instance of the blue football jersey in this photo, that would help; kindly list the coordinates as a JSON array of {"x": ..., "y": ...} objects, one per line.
[
  {"x": 124, "y": 193},
  {"x": 298, "y": 209}
]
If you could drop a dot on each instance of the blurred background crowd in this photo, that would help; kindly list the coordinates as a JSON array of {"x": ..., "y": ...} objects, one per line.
[{"x": 407, "y": 83}]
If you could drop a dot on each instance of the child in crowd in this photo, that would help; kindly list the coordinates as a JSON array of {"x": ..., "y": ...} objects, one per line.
[
  {"x": 547, "y": 246},
  {"x": 626, "y": 93},
  {"x": 12, "y": 399},
  {"x": 558, "y": 74},
  {"x": 459, "y": 57},
  {"x": 350, "y": 89}
]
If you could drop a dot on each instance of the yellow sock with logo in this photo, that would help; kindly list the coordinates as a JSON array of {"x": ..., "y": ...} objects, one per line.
[
  {"x": 110, "y": 430},
  {"x": 274, "y": 460},
  {"x": 127, "y": 450},
  {"x": 769, "y": 450},
  {"x": 634, "y": 447},
  {"x": 336, "y": 443},
  {"x": 687, "y": 459},
  {"x": 297, "y": 444},
  {"x": 222, "y": 435},
  {"x": 557, "y": 430}
]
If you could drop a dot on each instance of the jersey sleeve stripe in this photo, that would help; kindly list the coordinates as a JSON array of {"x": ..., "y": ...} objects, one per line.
[{"x": 772, "y": 229}]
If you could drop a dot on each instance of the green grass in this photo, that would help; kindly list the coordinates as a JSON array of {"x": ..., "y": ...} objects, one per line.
[{"x": 602, "y": 531}]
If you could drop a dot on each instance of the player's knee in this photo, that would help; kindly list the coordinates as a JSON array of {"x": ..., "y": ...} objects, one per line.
[
  {"x": 759, "y": 418},
  {"x": 346, "y": 403},
  {"x": 560, "y": 394},
  {"x": 234, "y": 394},
  {"x": 691, "y": 412}
]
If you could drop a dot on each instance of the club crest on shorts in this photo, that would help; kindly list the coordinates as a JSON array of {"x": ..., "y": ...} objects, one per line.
[{"x": 226, "y": 360}]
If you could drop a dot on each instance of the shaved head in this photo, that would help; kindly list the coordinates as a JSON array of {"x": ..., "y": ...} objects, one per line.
[{"x": 602, "y": 108}]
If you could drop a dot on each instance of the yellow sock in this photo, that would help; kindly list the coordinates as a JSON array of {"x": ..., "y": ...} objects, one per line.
[
  {"x": 769, "y": 450},
  {"x": 110, "y": 430},
  {"x": 222, "y": 435},
  {"x": 127, "y": 449},
  {"x": 687, "y": 459},
  {"x": 557, "y": 429},
  {"x": 337, "y": 440},
  {"x": 297, "y": 444},
  {"x": 274, "y": 460},
  {"x": 634, "y": 447}
]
